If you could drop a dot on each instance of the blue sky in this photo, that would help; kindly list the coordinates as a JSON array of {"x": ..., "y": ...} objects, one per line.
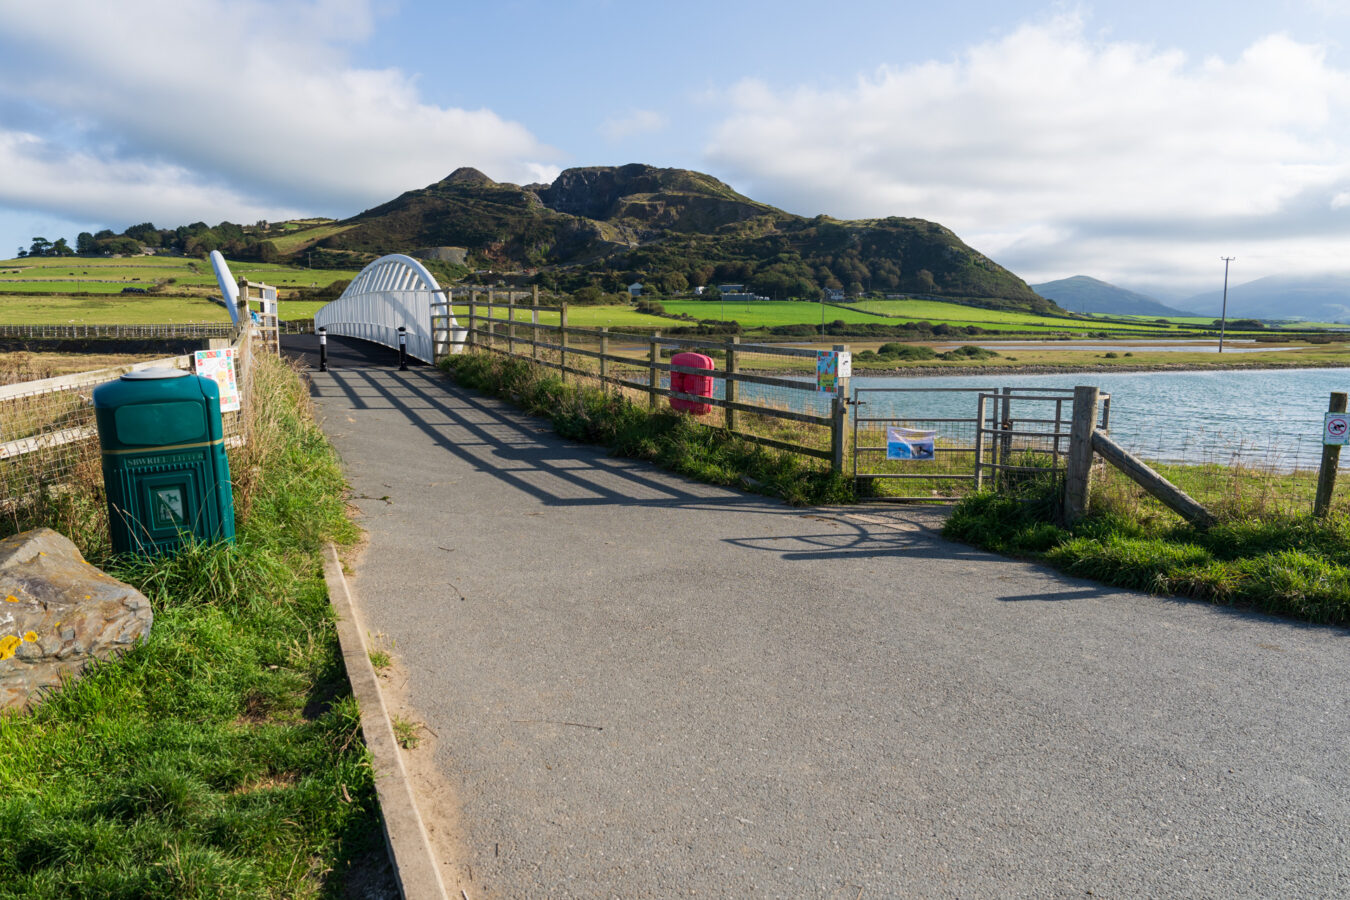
[{"x": 1133, "y": 141}]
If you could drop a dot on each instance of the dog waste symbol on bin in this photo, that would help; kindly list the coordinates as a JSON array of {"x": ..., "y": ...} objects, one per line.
[{"x": 168, "y": 511}]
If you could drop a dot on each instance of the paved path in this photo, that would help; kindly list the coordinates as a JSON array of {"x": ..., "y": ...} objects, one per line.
[{"x": 647, "y": 687}]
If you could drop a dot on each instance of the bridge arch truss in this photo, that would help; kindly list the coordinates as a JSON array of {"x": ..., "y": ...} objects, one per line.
[{"x": 393, "y": 290}]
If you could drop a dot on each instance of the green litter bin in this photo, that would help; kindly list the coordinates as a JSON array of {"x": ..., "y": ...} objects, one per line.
[{"x": 164, "y": 464}]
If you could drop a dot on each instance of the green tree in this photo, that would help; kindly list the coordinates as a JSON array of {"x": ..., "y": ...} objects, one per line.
[
  {"x": 61, "y": 248},
  {"x": 40, "y": 247},
  {"x": 145, "y": 232},
  {"x": 84, "y": 244},
  {"x": 673, "y": 283}
]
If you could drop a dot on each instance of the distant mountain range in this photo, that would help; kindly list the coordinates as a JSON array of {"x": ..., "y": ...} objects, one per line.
[
  {"x": 1082, "y": 294},
  {"x": 1314, "y": 298},
  {"x": 1311, "y": 298}
]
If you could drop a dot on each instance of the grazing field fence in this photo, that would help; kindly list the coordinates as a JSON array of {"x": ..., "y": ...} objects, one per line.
[{"x": 200, "y": 330}]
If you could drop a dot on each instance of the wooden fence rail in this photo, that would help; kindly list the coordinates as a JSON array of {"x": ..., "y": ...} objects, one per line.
[
  {"x": 1086, "y": 439},
  {"x": 526, "y": 339}
]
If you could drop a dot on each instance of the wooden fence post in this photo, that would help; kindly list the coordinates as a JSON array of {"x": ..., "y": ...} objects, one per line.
[
  {"x": 471, "y": 338},
  {"x": 604, "y": 353},
  {"x": 1331, "y": 460},
  {"x": 730, "y": 391},
  {"x": 1078, "y": 465},
  {"x": 534, "y": 321},
  {"x": 653, "y": 376},
  {"x": 562, "y": 341},
  {"x": 510, "y": 323}
]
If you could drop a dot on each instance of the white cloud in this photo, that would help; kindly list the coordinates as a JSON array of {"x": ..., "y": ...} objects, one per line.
[
  {"x": 1045, "y": 145},
  {"x": 242, "y": 109},
  {"x": 633, "y": 123}
]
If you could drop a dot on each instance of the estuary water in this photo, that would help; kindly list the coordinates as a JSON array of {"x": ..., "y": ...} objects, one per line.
[{"x": 1262, "y": 417}]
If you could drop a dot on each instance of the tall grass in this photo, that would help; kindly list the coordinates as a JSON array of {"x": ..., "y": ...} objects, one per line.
[
  {"x": 221, "y": 757},
  {"x": 670, "y": 439},
  {"x": 1258, "y": 556}
]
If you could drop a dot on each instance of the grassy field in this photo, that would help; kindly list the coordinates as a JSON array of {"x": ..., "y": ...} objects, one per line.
[
  {"x": 16, "y": 368},
  {"x": 304, "y": 237},
  {"x": 583, "y": 317},
  {"x": 177, "y": 274},
  {"x": 123, "y": 309},
  {"x": 139, "y": 309},
  {"x": 762, "y": 314},
  {"x": 958, "y": 314}
]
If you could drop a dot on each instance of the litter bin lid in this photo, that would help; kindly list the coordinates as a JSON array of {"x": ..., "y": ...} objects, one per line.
[{"x": 154, "y": 373}]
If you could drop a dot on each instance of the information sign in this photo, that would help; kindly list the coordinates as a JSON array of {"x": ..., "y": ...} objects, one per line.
[
  {"x": 909, "y": 443},
  {"x": 219, "y": 365}
]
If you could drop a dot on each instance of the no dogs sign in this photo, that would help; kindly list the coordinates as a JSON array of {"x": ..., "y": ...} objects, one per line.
[{"x": 1336, "y": 428}]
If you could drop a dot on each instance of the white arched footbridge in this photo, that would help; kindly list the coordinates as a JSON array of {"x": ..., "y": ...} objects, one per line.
[{"x": 394, "y": 290}]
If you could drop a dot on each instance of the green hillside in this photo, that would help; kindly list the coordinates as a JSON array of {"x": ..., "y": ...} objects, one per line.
[{"x": 673, "y": 229}]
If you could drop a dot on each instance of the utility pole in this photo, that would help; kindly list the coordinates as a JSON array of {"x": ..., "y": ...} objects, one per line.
[{"x": 1223, "y": 315}]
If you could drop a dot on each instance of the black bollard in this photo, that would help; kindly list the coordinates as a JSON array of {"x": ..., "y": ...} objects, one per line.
[
  {"x": 402, "y": 349},
  {"x": 323, "y": 349}
]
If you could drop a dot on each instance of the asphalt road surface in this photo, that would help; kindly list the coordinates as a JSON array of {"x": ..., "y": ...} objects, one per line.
[{"x": 648, "y": 687}]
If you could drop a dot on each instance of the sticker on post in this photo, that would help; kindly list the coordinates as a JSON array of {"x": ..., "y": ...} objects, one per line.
[
  {"x": 827, "y": 371},
  {"x": 1336, "y": 429},
  {"x": 909, "y": 443}
]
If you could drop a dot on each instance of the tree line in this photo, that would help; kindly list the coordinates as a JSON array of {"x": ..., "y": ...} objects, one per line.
[{"x": 198, "y": 239}]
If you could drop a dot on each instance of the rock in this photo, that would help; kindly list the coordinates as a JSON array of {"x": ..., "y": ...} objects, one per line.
[{"x": 57, "y": 614}]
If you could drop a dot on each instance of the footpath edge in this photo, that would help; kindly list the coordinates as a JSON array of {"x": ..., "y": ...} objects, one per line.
[{"x": 405, "y": 834}]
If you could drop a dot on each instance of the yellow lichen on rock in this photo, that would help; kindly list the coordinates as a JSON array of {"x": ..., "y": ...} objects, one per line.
[{"x": 8, "y": 644}]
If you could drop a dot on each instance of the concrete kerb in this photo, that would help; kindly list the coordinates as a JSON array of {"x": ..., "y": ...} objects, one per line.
[{"x": 409, "y": 847}]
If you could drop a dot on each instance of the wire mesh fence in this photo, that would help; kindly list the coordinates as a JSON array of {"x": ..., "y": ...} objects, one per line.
[
  {"x": 942, "y": 443},
  {"x": 1232, "y": 474},
  {"x": 98, "y": 332},
  {"x": 48, "y": 437}
]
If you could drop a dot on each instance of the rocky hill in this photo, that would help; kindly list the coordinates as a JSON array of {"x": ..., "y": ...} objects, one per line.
[{"x": 671, "y": 229}]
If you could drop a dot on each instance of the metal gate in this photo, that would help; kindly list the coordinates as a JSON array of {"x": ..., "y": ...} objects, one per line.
[{"x": 940, "y": 444}]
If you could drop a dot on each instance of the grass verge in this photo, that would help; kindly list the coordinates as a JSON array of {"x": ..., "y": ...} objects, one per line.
[
  {"x": 222, "y": 756},
  {"x": 1294, "y": 566},
  {"x": 665, "y": 437}
]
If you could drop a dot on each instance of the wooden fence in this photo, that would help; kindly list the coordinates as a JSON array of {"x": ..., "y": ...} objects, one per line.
[{"x": 755, "y": 382}]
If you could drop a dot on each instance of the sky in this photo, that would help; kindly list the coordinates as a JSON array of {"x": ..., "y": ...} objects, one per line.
[{"x": 1137, "y": 142}]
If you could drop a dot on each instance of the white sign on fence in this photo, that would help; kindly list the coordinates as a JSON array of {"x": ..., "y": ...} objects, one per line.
[
  {"x": 219, "y": 365},
  {"x": 909, "y": 443},
  {"x": 1336, "y": 428}
]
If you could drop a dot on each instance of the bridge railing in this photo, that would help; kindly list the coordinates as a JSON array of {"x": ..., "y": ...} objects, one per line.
[{"x": 765, "y": 393}]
